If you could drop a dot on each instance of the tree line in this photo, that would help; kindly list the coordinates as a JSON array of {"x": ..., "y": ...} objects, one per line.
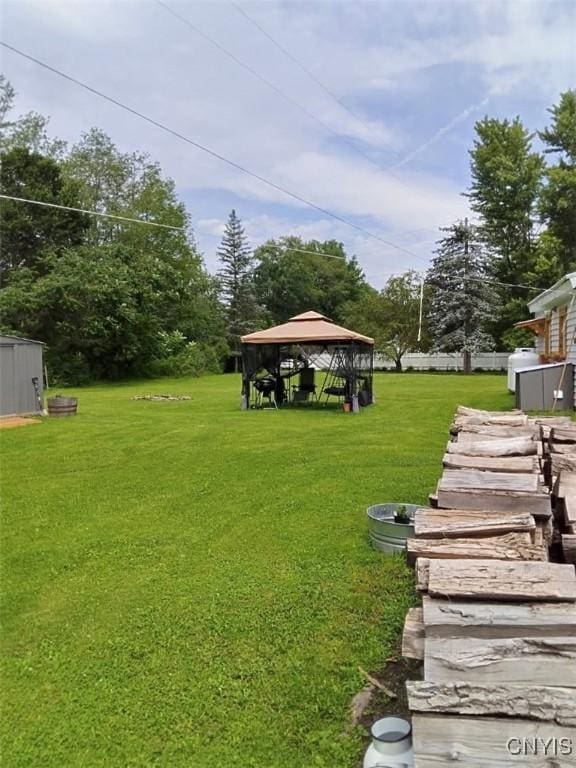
[{"x": 115, "y": 299}]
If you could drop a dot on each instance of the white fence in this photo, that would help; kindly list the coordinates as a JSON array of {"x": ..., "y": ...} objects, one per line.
[{"x": 418, "y": 361}]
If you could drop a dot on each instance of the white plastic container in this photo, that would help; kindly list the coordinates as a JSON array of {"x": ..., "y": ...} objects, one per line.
[
  {"x": 391, "y": 745},
  {"x": 523, "y": 357}
]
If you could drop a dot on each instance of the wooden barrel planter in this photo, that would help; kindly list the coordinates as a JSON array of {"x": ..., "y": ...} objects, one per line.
[{"x": 62, "y": 406}]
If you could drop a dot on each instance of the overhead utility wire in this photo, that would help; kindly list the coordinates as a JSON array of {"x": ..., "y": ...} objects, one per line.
[
  {"x": 270, "y": 84},
  {"x": 91, "y": 213},
  {"x": 209, "y": 151},
  {"x": 308, "y": 72}
]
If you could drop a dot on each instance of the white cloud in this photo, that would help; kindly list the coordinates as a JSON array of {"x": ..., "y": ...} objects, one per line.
[{"x": 141, "y": 55}]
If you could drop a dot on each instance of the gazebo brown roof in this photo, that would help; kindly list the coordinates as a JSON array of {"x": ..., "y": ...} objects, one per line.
[{"x": 309, "y": 327}]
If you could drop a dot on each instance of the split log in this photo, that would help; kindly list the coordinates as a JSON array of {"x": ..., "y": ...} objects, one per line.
[
  {"x": 454, "y": 523},
  {"x": 546, "y": 703},
  {"x": 509, "y": 546},
  {"x": 487, "y": 742},
  {"x": 516, "y": 446},
  {"x": 473, "y": 479},
  {"x": 569, "y": 547},
  {"x": 501, "y": 580},
  {"x": 446, "y": 618},
  {"x": 537, "y": 504},
  {"x": 540, "y": 660},
  {"x": 521, "y": 464},
  {"x": 413, "y": 635}
]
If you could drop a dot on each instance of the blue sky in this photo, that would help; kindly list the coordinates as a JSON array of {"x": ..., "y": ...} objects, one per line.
[{"x": 418, "y": 74}]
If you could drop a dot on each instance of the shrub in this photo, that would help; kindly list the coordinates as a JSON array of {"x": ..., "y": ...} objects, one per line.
[{"x": 192, "y": 360}]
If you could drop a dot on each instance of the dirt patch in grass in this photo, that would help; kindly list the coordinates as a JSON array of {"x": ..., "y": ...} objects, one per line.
[
  {"x": 16, "y": 421},
  {"x": 393, "y": 676}
]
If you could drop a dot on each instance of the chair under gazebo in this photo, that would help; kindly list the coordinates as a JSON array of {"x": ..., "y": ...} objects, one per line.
[{"x": 279, "y": 364}]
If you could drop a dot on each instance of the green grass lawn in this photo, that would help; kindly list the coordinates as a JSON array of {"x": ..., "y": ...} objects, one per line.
[{"x": 189, "y": 585}]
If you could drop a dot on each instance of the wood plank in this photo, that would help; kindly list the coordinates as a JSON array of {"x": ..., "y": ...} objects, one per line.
[
  {"x": 546, "y": 527},
  {"x": 537, "y": 504},
  {"x": 523, "y": 464},
  {"x": 446, "y": 618},
  {"x": 422, "y": 574},
  {"x": 501, "y": 580},
  {"x": 517, "y": 446},
  {"x": 450, "y": 523},
  {"x": 563, "y": 434},
  {"x": 508, "y": 546},
  {"x": 540, "y": 660},
  {"x": 493, "y": 420},
  {"x": 569, "y": 505},
  {"x": 463, "y": 479},
  {"x": 569, "y": 547},
  {"x": 413, "y": 635},
  {"x": 441, "y": 741},
  {"x": 532, "y": 431},
  {"x": 534, "y": 702},
  {"x": 551, "y": 421},
  {"x": 567, "y": 449},
  {"x": 562, "y": 461},
  {"x": 463, "y": 410},
  {"x": 566, "y": 485}
]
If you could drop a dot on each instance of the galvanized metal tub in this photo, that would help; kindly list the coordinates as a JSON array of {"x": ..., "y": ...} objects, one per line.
[{"x": 385, "y": 534}]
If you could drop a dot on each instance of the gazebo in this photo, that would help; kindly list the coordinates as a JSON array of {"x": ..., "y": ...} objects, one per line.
[{"x": 273, "y": 358}]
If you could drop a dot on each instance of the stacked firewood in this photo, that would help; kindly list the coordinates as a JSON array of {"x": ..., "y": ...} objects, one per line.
[
  {"x": 497, "y": 628},
  {"x": 562, "y": 472}
]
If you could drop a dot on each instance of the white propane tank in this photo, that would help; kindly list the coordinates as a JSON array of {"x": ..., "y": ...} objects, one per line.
[
  {"x": 523, "y": 357},
  {"x": 391, "y": 745}
]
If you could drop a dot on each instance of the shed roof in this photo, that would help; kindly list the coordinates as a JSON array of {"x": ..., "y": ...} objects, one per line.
[
  {"x": 307, "y": 327},
  {"x": 560, "y": 292},
  {"x": 11, "y": 339}
]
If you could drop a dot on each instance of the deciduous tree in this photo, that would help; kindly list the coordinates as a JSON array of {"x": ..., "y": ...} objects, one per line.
[
  {"x": 293, "y": 276},
  {"x": 391, "y": 317}
]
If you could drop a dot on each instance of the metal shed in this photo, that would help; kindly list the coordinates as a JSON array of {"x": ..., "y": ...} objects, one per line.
[
  {"x": 545, "y": 387},
  {"x": 21, "y": 383}
]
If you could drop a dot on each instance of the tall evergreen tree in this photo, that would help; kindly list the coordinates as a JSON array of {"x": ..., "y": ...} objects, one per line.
[
  {"x": 236, "y": 276},
  {"x": 461, "y": 299}
]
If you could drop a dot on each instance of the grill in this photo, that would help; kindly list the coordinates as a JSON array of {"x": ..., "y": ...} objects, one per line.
[{"x": 265, "y": 386}]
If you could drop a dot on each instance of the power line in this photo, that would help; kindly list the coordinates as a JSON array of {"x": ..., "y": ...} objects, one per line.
[
  {"x": 308, "y": 72},
  {"x": 91, "y": 213},
  {"x": 209, "y": 151},
  {"x": 275, "y": 88},
  {"x": 265, "y": 80}
]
